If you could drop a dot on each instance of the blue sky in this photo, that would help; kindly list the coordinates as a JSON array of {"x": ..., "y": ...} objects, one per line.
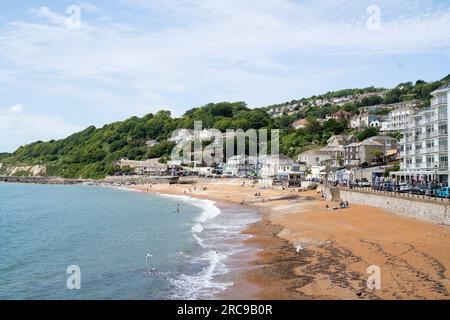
[{"x": 133, "y": 57}]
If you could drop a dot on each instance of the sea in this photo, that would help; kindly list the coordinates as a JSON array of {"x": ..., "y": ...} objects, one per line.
[{"x": 87, "y": 243}]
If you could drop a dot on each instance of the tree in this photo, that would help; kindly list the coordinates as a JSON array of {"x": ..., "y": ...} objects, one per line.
[{"x": 367, "y": 133}]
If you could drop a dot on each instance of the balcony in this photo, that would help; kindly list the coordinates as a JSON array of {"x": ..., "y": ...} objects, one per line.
[{"x": 439, "y": 100}]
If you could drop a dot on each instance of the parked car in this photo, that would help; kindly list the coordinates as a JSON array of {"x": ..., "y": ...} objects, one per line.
[
  {"x": 418, "y": 189},
  {"x": 363, "y": 183},
  {"x": 377, "y": 186},
  {"x": 431, "y": 191},
  {"x": 403, "y": 187},
  {"x": 443, "y": 193}
]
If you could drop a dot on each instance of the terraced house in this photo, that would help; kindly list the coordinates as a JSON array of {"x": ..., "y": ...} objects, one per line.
[{"x": 424, "y": 146}]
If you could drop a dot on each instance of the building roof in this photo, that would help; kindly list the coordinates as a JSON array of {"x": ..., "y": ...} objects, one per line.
[
  {"x": 333, "y": 149},
  {"x": 341, "y": 112},
  {"x": 391, "y": 152},
  {"x": 371, "y": 143},
  {"x": 314, "y": 152},
  {"x": 381, "y": 138},
  {"x": 341, "y": 138},
  {"x": 442, "y": 88},
  {"x": 354, "y": 144},
  {"x": 365, "y": 143},
  {"x": 445, "y": 86}
]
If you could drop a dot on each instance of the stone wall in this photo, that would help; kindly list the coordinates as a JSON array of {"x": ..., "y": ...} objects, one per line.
[
  {"x": 426, "y": 210},
  {"x": 126, "y": 180}
]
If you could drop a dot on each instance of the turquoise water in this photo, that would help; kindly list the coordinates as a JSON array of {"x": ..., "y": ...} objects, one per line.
[{"x": 108, "y": 233}]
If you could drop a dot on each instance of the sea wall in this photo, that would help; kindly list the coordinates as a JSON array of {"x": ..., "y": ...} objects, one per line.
[
  {"x": 423, "y": 209},
  {"x": 219, "y": 180},
  {"x": 127, "y": 180}
]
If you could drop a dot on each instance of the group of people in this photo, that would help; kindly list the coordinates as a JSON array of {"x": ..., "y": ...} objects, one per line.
[{"x": 343, "y": 205}]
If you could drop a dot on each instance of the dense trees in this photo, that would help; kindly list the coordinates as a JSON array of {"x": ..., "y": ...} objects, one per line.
[
  {"x": 92, "y": 153},
  {"x": 367, "y": 133}
]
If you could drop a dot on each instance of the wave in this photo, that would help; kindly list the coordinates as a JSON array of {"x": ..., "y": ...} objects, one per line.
[
  {"x": 218, "y": 237},
  {"x": 203, "y": 284}
]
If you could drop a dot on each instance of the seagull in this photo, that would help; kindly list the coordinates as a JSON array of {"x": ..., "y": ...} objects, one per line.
[{"x": 148, "y": 257}]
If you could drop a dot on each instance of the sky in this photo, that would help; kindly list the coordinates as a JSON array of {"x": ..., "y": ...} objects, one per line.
[{"x": 65, "y": 65}]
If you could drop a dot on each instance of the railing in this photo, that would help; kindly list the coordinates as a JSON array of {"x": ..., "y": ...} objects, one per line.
[
  {"x": 405, "y": 195},
  {"x": 439, "y": 100}
]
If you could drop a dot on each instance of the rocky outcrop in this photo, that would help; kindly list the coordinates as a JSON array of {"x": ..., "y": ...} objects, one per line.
[
  {"x": 40, "y": 180},
  {"x": 22, "y": 170}
]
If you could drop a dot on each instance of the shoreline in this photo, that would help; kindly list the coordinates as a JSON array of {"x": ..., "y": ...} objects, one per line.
[
  {"x": 336, "y": 247},
  {"x": 307, "y": 251},
  {"x": 239, "y": 263}
]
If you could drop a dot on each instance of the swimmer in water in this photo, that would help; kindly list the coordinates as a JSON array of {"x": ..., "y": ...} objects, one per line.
[{"x": 147, "y": 258}]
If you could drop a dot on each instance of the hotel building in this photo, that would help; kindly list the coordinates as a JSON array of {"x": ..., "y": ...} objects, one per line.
[{"x": 424, "y": 148}]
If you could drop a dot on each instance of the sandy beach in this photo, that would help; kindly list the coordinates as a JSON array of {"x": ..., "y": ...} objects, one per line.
[{"x": 309, "y": 252}]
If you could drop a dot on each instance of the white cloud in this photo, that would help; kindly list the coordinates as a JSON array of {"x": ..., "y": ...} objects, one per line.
[
  {"x": 16, "y": 108},
  {"x": 88, "y": 7},
  {"x": 200, "y": 51},
  {"x": 18, "y": 127},
  {"x": 51, "y": 16}
]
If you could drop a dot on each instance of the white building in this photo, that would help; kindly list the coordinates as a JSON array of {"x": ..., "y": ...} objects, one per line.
[
  {"x": 268, "y": 164},
  {"x": 398, "y": 119},
  {"x": 362, "y": 121},
  {"x": 291, "y": 174},
  {"x": 148, "y": 167},
  {"x": 314, "y": 157},
  {"x": 424, "y": 147},
  {"x": 240, "y": 166}
]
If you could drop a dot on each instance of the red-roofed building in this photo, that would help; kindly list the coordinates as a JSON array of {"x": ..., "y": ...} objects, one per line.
[{"x": 341, "y": 114}]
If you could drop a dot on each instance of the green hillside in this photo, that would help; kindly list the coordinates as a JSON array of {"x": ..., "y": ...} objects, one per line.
[{"x": 92, "y": 152}]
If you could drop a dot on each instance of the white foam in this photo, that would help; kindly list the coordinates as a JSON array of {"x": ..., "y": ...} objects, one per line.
[
  {"x": 211, "y": 235},
  {"x": 203, "y": 285}
]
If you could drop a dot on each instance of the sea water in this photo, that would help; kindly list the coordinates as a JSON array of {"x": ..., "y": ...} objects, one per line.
[{"x": 107, "y": 234}]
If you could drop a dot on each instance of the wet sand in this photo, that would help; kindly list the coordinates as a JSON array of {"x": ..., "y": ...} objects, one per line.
[{"x": 309, "y": 252}]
